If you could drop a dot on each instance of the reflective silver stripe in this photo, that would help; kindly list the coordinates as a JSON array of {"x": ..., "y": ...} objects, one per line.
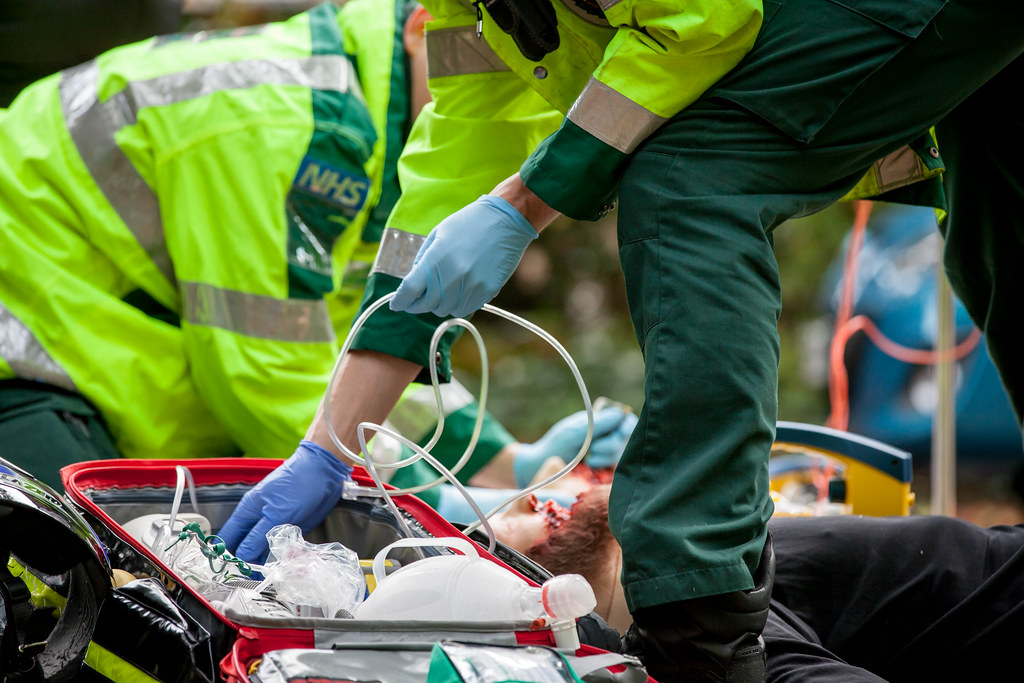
[
  {"x": 26, "y": 356},
  {"x": 92, "y": 125},
  {"x": 415, "y": 416},
  {"x": 263, "y": 317},
  {"x": 458, "y": 51},
  {"x": 397, "y": 251},
  {"x": 612, "y": 117},
  {"x": 215, "y": 34},
  {"x": 321, "y": 72},
  {"x": 605, "y": 4}
]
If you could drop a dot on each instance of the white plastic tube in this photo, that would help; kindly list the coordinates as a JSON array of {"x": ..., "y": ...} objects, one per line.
[{"x": 424, "y": 452}]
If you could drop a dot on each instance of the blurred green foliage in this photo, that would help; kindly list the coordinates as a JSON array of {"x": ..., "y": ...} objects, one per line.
[{"x": 570, "y": 284}]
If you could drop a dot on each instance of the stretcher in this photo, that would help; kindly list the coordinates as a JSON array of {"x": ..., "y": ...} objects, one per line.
[{"x": 240, "y": 647}]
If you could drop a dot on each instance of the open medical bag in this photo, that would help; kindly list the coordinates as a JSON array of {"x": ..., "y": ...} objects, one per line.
[{"x": 239, "y": 647}]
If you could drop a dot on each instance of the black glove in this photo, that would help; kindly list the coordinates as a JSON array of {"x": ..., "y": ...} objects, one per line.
[{"x": 531, "y": 23}]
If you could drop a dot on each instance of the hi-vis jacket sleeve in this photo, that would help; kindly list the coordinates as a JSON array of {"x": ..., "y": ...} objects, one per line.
[
  {"x": 663, "y": 55},
  {"x": 372, "y": 35},
  {"x": 255, "y": 322},
  {"x": 255, "y": 201},
  {"x": 483, "y": 122}
]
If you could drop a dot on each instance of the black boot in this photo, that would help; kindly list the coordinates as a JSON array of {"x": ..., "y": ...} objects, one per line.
[{"x": 715, "y": 639}]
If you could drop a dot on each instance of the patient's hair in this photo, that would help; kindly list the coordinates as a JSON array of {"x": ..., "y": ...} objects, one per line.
[{"x": 578, "y": 545}]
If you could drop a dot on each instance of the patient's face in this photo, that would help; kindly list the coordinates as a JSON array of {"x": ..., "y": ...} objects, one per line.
[
  {"x": 528, "y": 522},
  {"x": 562, "y": 540},
  {"x": 576, "y": 541},
  {"x": 582, "y": 544}
]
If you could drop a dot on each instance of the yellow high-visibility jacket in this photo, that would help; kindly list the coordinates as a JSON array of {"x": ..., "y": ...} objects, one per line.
[{"x": 176, "y": 214}]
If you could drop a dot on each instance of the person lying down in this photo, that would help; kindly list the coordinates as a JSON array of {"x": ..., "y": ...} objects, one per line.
[{"x": 855, "y": 599}]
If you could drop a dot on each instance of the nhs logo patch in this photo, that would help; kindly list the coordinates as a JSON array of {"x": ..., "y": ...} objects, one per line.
[{"x": 332, "y": 184}]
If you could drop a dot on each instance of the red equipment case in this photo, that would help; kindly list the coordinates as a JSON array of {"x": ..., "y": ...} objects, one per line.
[{"x": 112, "y": 492}]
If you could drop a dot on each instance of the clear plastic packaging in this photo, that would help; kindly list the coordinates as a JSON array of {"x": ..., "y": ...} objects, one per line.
[
  {"x": 245, "y": 598},
  {"x": 318, "y": 579},
  {"x": 299, "y": 579},
  {"x": 202, "y": 562}
]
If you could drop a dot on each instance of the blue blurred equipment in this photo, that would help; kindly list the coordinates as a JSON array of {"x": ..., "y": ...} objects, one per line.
[{"x": 891, "y": 400}]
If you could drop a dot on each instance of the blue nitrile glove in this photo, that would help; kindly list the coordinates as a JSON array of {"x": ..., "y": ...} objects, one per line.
[
  {"x": 454, "y": 507},
  {"x": 301, "y": 491},
  {"x": 606, "y": 450},
  {"x": 465, "y": 260},
  {"x": 564, "y": 440}
]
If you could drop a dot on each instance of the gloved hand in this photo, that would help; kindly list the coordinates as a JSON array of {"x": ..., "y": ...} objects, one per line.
[
  {"x": 301, "y": 491},
  {"x": 565, "y": 438},
  {"x": 606, "y": 450},
  {"x": 465, "y": 260}
]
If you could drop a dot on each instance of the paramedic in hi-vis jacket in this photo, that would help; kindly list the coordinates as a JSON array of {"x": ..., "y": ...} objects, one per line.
[
  {"x": 712, "y": 123},
  {"x": 186, "y": 229},
  {"x": 185, "y": 222}
]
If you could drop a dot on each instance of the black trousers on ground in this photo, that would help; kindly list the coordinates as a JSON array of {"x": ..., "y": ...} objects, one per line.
[{"x": 895, "y": 599}]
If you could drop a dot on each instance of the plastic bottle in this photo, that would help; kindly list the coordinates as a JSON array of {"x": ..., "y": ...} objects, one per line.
[{"x": 470, "y": 588}]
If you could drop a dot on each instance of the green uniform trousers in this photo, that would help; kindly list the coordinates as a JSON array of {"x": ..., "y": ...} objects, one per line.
[
  {"x": 982, "y": 142},
  {"x": 43, "y": 428},
  {"x": 828, "y": 88}
]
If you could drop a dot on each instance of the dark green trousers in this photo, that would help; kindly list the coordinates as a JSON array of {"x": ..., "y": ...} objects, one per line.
[
  {"x": 43, "y": 428},
  {"x": 982, "y": 142},
  {"x": 828, "y": 89}
]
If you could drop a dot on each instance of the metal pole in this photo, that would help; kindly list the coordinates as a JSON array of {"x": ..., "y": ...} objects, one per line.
[{"x": 943, "y": 468}]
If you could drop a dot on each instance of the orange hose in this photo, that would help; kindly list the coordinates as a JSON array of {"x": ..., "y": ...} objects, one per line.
[
  {"x": 838, "y": 390},
  {"x": 848, "y": 325}
]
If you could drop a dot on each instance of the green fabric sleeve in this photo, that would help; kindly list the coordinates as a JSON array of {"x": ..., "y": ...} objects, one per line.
[
  {"x": 591, "y": 168},
  {"x": 402, "y": 335},
  {"x": 458, "y": 428}
]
